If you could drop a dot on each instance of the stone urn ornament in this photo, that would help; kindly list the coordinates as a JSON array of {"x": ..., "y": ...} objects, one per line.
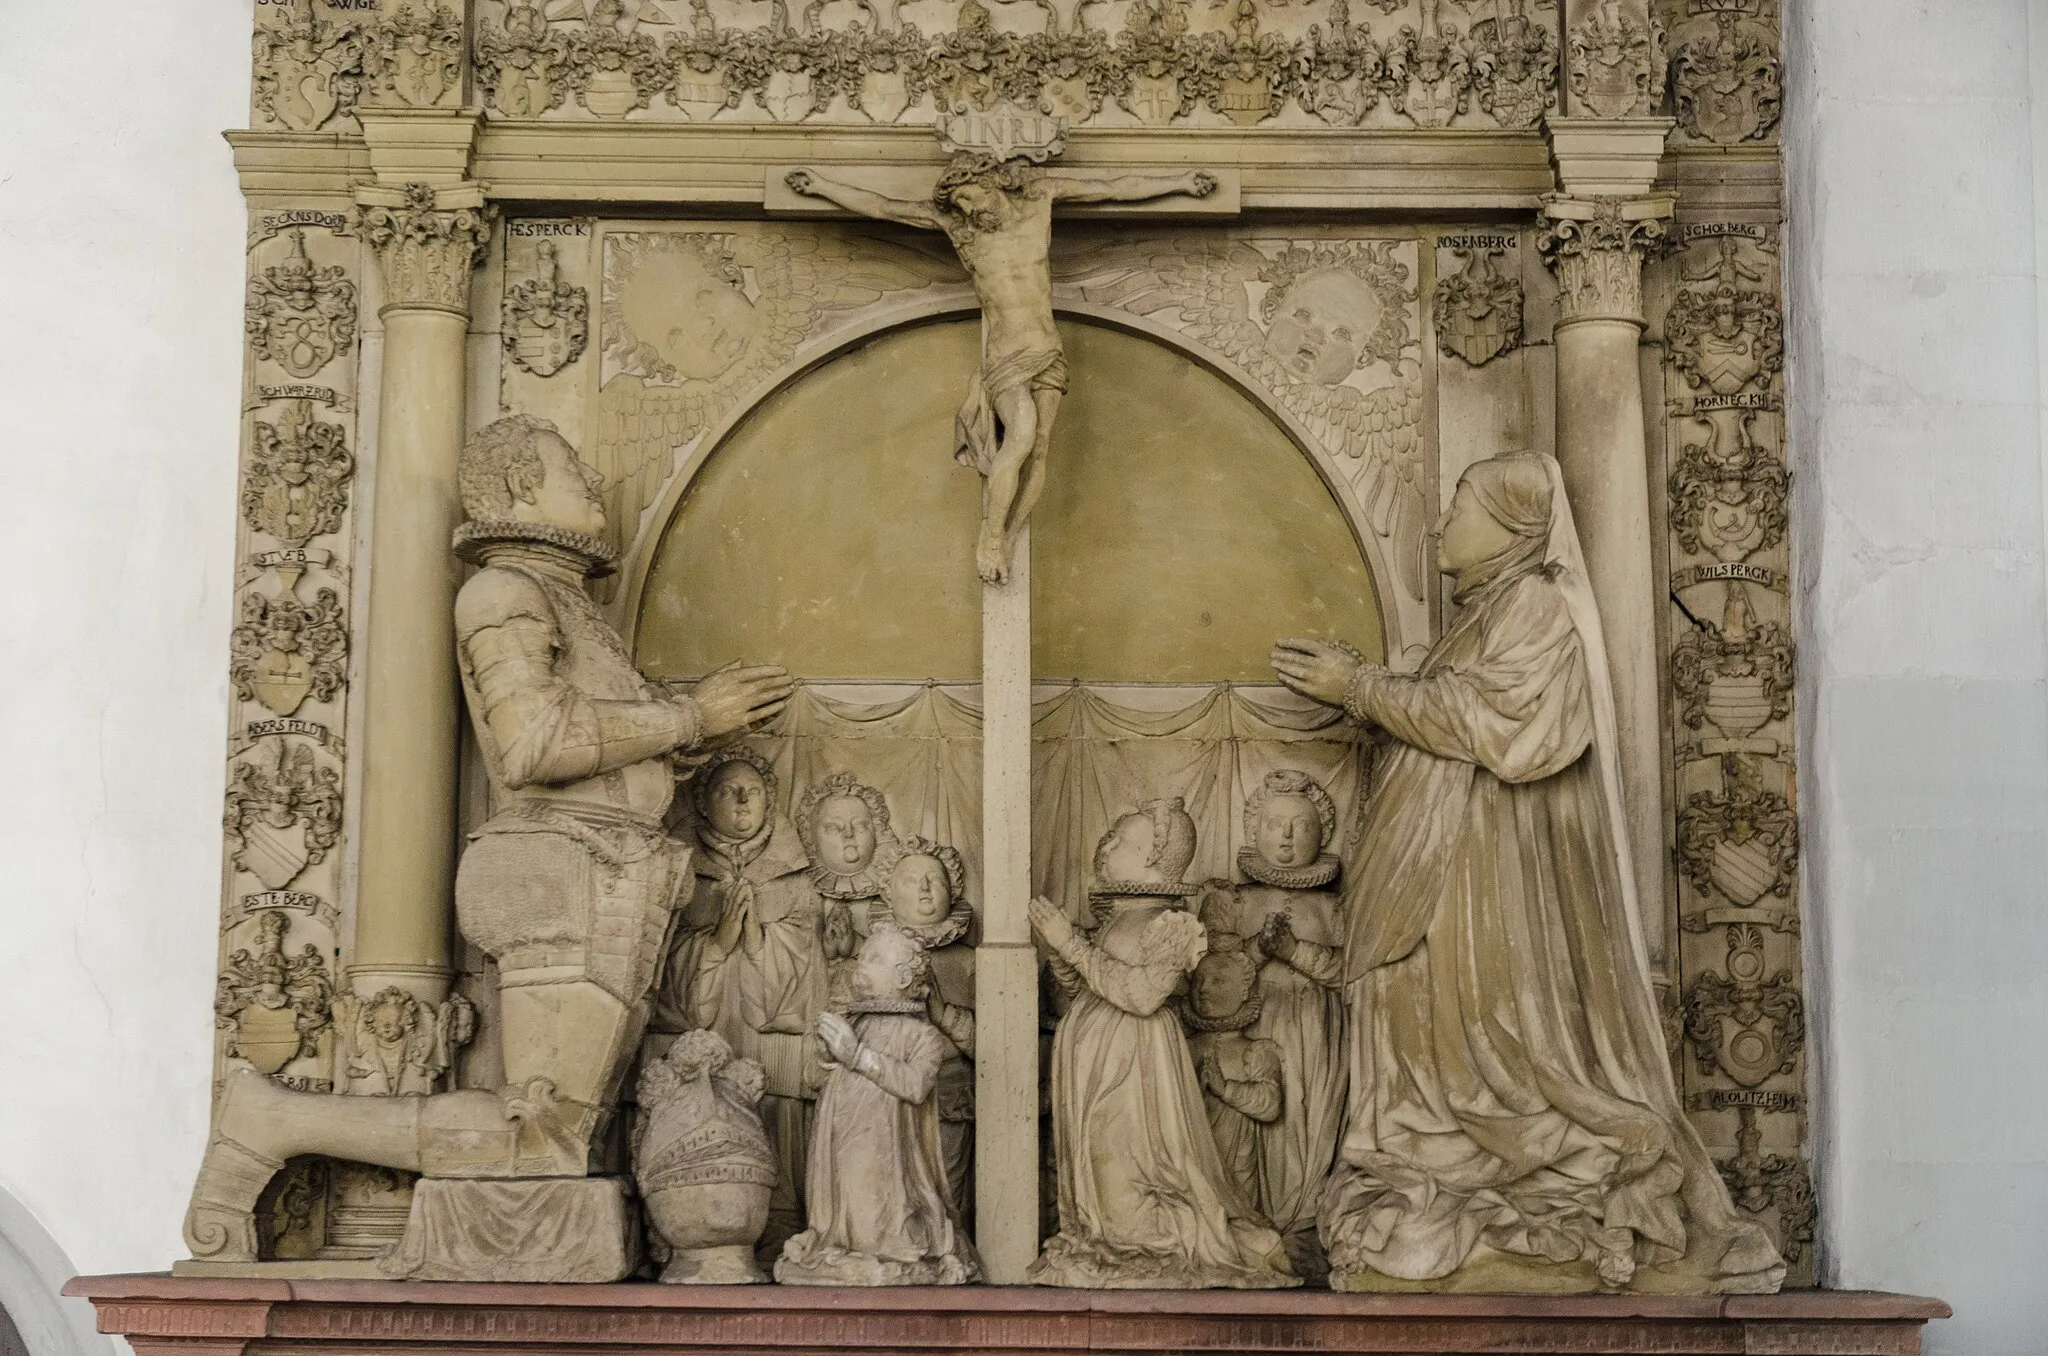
[{"x": 702, "y": 1162}]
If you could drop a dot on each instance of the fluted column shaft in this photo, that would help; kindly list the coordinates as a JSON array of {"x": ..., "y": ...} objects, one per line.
[
  {"x": 1597, "y": 247},
  {"x": 428, "y": 244}
]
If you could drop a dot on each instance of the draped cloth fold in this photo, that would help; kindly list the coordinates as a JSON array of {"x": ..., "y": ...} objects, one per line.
[{"x": 1508, "y": 1079}]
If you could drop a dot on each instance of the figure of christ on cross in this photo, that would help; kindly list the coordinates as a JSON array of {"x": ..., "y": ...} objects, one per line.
[{"x": 998, "y": 214}]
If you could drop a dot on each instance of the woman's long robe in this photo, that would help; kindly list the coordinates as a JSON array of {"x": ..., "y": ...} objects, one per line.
[{"x": 1508, "y": 1081}]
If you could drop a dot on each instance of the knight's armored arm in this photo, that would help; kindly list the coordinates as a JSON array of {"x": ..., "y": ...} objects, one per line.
[{"x": 545, "y": 729}]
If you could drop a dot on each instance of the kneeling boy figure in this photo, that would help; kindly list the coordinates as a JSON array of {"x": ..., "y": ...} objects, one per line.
[{"x": 880, "y": 1213}]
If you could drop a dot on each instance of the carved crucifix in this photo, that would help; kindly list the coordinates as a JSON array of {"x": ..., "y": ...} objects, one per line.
[{"x": 998, "y": 214}]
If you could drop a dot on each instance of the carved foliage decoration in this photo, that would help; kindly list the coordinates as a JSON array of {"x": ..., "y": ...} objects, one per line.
[
  {"x": 1250, "y": 63},
  {"x": 547, "y": 321},
  {"x": 428, "y": 253},
  {"x": 414, "y": 59},
  {"x": 1478, "y": 309},
  {"x": 274, "y": 1006},
  {"x": 300, "y": 315},
  {"x": 296, "y": 484},
  {"x": 309, "y": 69},
  {"x": 283, "y": 813},
  {"x": 1743, "y": 1024},
  {"x": 392, "y": 1045},
  {"x": 1614, "y": 61},
  {"x": 1727, "y": 84},
  {"x": 1597, "y": 247},
  {"x": 286, "y": 650},
  {"x": 1741, "y": 842}
]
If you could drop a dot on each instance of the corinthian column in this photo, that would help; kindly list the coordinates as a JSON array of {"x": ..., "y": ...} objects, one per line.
[
  {"x": 428, "y": 242},
  {"x": 1597, "y": 245}
]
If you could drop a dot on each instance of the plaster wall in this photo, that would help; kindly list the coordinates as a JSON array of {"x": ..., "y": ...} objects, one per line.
[
  {"x": 1916, "y": 444},
  {"x": 1916, "y": 434}
]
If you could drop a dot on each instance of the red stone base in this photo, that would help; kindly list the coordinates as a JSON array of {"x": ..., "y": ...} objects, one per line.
[{"x": 191, "y": 1316}]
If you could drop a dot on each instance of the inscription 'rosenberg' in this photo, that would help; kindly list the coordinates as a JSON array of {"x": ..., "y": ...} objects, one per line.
[{"x": 1475, "y": 242}]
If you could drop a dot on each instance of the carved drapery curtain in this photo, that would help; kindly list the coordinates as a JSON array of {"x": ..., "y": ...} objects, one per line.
[{"x": 1096, "y": 752}]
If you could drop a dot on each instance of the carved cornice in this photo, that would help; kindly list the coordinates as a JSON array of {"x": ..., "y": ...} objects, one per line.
[
  {"x": 1597, "y": 246},
  {"x": 428, "y": 243}
]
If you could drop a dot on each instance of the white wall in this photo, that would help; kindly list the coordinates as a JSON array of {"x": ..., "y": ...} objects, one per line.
[
  {"x": 1924, "y": 662},
  {"x": 1916, "y": 456},
  {"x": 120, "y": 282}
]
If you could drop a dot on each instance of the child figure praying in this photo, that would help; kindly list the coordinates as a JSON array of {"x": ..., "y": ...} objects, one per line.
[{"x": 880, "y": 1211}]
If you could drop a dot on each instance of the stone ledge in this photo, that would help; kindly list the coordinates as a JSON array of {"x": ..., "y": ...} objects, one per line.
[{"x": 219, "y": 1316}]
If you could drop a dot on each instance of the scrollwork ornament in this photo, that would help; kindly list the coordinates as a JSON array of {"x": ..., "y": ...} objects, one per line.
[
  {"x": 299, "y": 314},
  {"x": 414, "y": 56},
  {"x": 547, "y": 321},
  {"x": 428, "y": 253},
  {"x": 274, "y": 1006},
  {"x": 1741, "y": 842},
  {"x": 296, "y": 484},
  {"x": 1614, "y": 60},
  {"x": 1743, "y": 1025},
  {"x": 286, "y": 650},
  {"x": 283, "y": 814},
  {"x": 1597, "y": 247},
  {"x": 309, "y": 70}
]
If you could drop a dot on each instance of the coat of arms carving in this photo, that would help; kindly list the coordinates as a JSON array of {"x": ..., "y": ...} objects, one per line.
[
  {"x": 296, "y": 485},
  {"x": 273, "y": 1006},
  {"x": 1728, "y": 494},
  {"x": 1428, "y": 75},
  {"x": 1478, "y": 310},
  {"x": 547, "y": 321},
  {"x": 1741, "y": 842},
  {"x": 1743, "y": 1025},
  {"x": 286, "y": 650},
  {"x": 519, "y": 62},
  {"x": 1758, "y": 1181},
  {"x": 308, "y": 69},
  {"x": 1724, "y": 332},
  {"x": 1726, "y": 81},
  {"x": 299, "y": 314},
  {"x": 415, "y": 55},
  {"x": 1736, "y": 676},
  {"x": 1614, "y": 61},
  {"x": 283, "y": 813},
  {"x": 1514, "y": 66}
]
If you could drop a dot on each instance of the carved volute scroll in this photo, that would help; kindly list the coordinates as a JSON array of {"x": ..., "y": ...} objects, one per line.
[
  {"x": 428, "y": 253},
  {"x": 1597, "y": 247}
]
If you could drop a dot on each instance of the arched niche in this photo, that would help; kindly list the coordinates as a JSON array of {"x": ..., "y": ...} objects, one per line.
[{"x": 1181, "y": 531}]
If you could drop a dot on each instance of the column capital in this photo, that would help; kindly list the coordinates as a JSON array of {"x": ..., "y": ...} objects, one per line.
[
  {"x": 428, "y": 241},
  {"x": 1597, "y": 246}
]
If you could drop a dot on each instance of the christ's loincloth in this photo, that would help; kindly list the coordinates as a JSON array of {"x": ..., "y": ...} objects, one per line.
[{"x": 974, "y": 427}]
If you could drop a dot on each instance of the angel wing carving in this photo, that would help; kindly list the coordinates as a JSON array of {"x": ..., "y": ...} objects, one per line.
[
  {"x": 1301, "y": 318},
  {"x": 694, "y": 321}
]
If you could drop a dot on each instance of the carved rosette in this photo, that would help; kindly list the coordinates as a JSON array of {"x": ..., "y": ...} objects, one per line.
[
  {"x": 1597, "y": 247},
  {"x": 428, "y": 253}
]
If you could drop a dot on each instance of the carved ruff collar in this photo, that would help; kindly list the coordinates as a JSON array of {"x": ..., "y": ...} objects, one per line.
[
  {"x": 1236, "y": 1021},
  {"x": 1314, "y": 876},
  {"x": 590, "y": 556},
  {"x": 931, "y": 936},
  {"x": 865, "y": 883},
  {"x": 1142, "y": 889}
]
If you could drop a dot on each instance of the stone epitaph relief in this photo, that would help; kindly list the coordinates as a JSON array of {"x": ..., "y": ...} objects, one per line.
[
  {"x": 308, "y": 65},
  {"x": 1116, "y": 63},
  {"x": 283, "y": 812},
  {"x": 273, "y": 1005},
  {"x": 1329, "y": 328},
  {"x": 693, "y": 320},
  {"x": 300, "y": 315},
  {"x": 1732, "y": 676},
  {"x": 547, "y": 321},
  {"x": 1727, "y": 83},
  {"x": 997, "y": 213},
  {"x": 286, "y": 650}
]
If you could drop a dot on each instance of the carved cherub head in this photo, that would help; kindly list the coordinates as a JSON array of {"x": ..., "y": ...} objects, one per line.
[
  {"x": 392, "y": 1015},
  {"x": 1154, "y": 844},
  {"x": 892, "y": 965},
  {"x": 684, "y": 306},
  {"x": 734, "y": 794},
  {"x": 520, "y": 470},
  {"x": 1289, "y": 819},
  {"x": 1332, "y": 309}
]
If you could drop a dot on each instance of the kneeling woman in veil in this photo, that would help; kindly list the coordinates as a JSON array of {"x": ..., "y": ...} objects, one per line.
[{"x": 1511, "y": 1101}]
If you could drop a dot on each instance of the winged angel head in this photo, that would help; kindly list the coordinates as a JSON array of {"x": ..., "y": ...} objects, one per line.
[{"x": 1331, "y": 309}]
